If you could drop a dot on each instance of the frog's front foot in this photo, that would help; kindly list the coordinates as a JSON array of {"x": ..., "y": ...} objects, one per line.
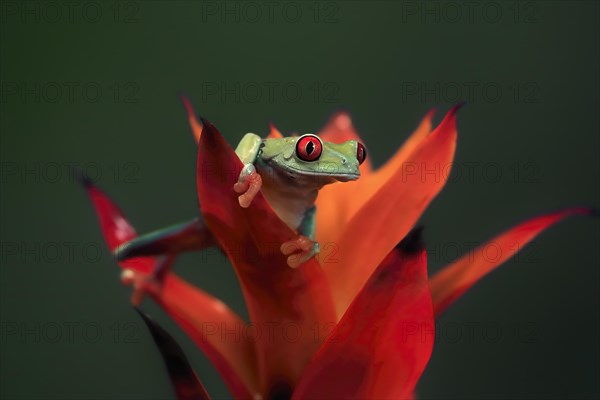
[
  {"x": 147, "y": 283},
  {"x": 308, "y": 249},
  {"x": 248, "y": 185},
  {"x": 142, "y": 284}
]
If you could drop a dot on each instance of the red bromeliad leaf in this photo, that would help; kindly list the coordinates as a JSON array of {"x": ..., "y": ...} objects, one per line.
[
  {"x": 391, "y": 212},
  {"x": 383, "y": 342},
  {"x": 184, "y": 379},
  {"x": 200, "y": 315},
  {"x": 285, "y": 305},
  {"x": 453, "y": 280},
  {"x": 115, "y": 227},
  {"x": 209, "y": 323}
]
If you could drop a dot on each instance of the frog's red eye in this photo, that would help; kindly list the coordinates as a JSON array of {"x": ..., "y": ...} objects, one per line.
[
  {"x": 309, "y": 148},
  {"x": 361, "y": 153}
]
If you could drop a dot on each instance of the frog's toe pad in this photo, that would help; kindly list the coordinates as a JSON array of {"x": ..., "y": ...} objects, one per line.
[
  {"x": 248, "y": 185},
  {"x": 306, "y": 247},
  {"x": 142, "y": 285}
]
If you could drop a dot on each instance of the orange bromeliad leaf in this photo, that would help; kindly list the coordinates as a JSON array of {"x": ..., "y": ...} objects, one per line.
[
  {"x": 391, "y": 212},
  {"x": 383, "y": 174},
  {"x": 333, "y": 201},
  {"x": 384, "y": 340},
  {"x": 281, "y": 301},
  {"x": 194, "y": 123},
  {"x": 274, "y": 132},
  {"x": 199, "y": 314},
  {"x": 336, "y": 204},
  {"x": 453, "y": 280},
  {"x": 408, "y": 146}
]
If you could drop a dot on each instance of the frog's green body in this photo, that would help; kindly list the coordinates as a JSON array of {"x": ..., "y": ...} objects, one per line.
[{"x": 289, "y": 177}]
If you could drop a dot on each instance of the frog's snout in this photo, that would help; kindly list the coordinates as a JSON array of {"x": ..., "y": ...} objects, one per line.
[{"x": 348, "y": 171}]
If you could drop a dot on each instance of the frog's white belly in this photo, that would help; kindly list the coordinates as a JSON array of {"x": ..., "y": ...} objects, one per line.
[
  {"x": 290, "y": 195},
  {"x": 290, "y": 206}
]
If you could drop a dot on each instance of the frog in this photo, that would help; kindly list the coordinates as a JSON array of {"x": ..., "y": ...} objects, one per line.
[{"x": 289, "y": 171}]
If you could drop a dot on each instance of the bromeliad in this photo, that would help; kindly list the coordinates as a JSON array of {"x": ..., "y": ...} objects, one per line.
[{"x": 348, "y": 308}]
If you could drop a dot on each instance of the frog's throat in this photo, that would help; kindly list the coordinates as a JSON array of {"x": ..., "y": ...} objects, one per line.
[
  {"x": 343, "y": 177},
  {"x": 290, "y": 205}
]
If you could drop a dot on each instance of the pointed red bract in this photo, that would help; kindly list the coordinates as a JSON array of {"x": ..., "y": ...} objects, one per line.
[
  {"x": 215, "y": 329},
  {"x": 384, "y": 340},
  {"x": 115, "y": 227},
  {"x": 391, "y": 212},
  {"x": 455, "y": 279},
  {"x": 199, "y": 314},
  {"x": 285, "y": 305}
]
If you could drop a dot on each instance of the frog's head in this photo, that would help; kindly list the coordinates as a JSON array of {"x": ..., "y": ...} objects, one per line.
[{"x": 307, "y": 156}]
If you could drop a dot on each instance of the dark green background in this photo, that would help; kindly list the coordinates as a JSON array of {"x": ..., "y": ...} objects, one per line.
[{"x": 544, "y": 124}]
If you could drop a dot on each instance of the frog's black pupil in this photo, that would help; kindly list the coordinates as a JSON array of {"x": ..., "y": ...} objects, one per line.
[{"x": 310, "y": 147}]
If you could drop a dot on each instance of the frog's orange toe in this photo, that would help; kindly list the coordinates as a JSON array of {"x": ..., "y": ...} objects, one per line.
[
  {"x": 249, "y": 184},
  {"x": 307, "y": 247}
]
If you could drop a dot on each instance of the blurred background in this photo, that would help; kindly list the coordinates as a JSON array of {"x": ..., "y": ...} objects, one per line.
[{"x": 95, "y": 85}]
